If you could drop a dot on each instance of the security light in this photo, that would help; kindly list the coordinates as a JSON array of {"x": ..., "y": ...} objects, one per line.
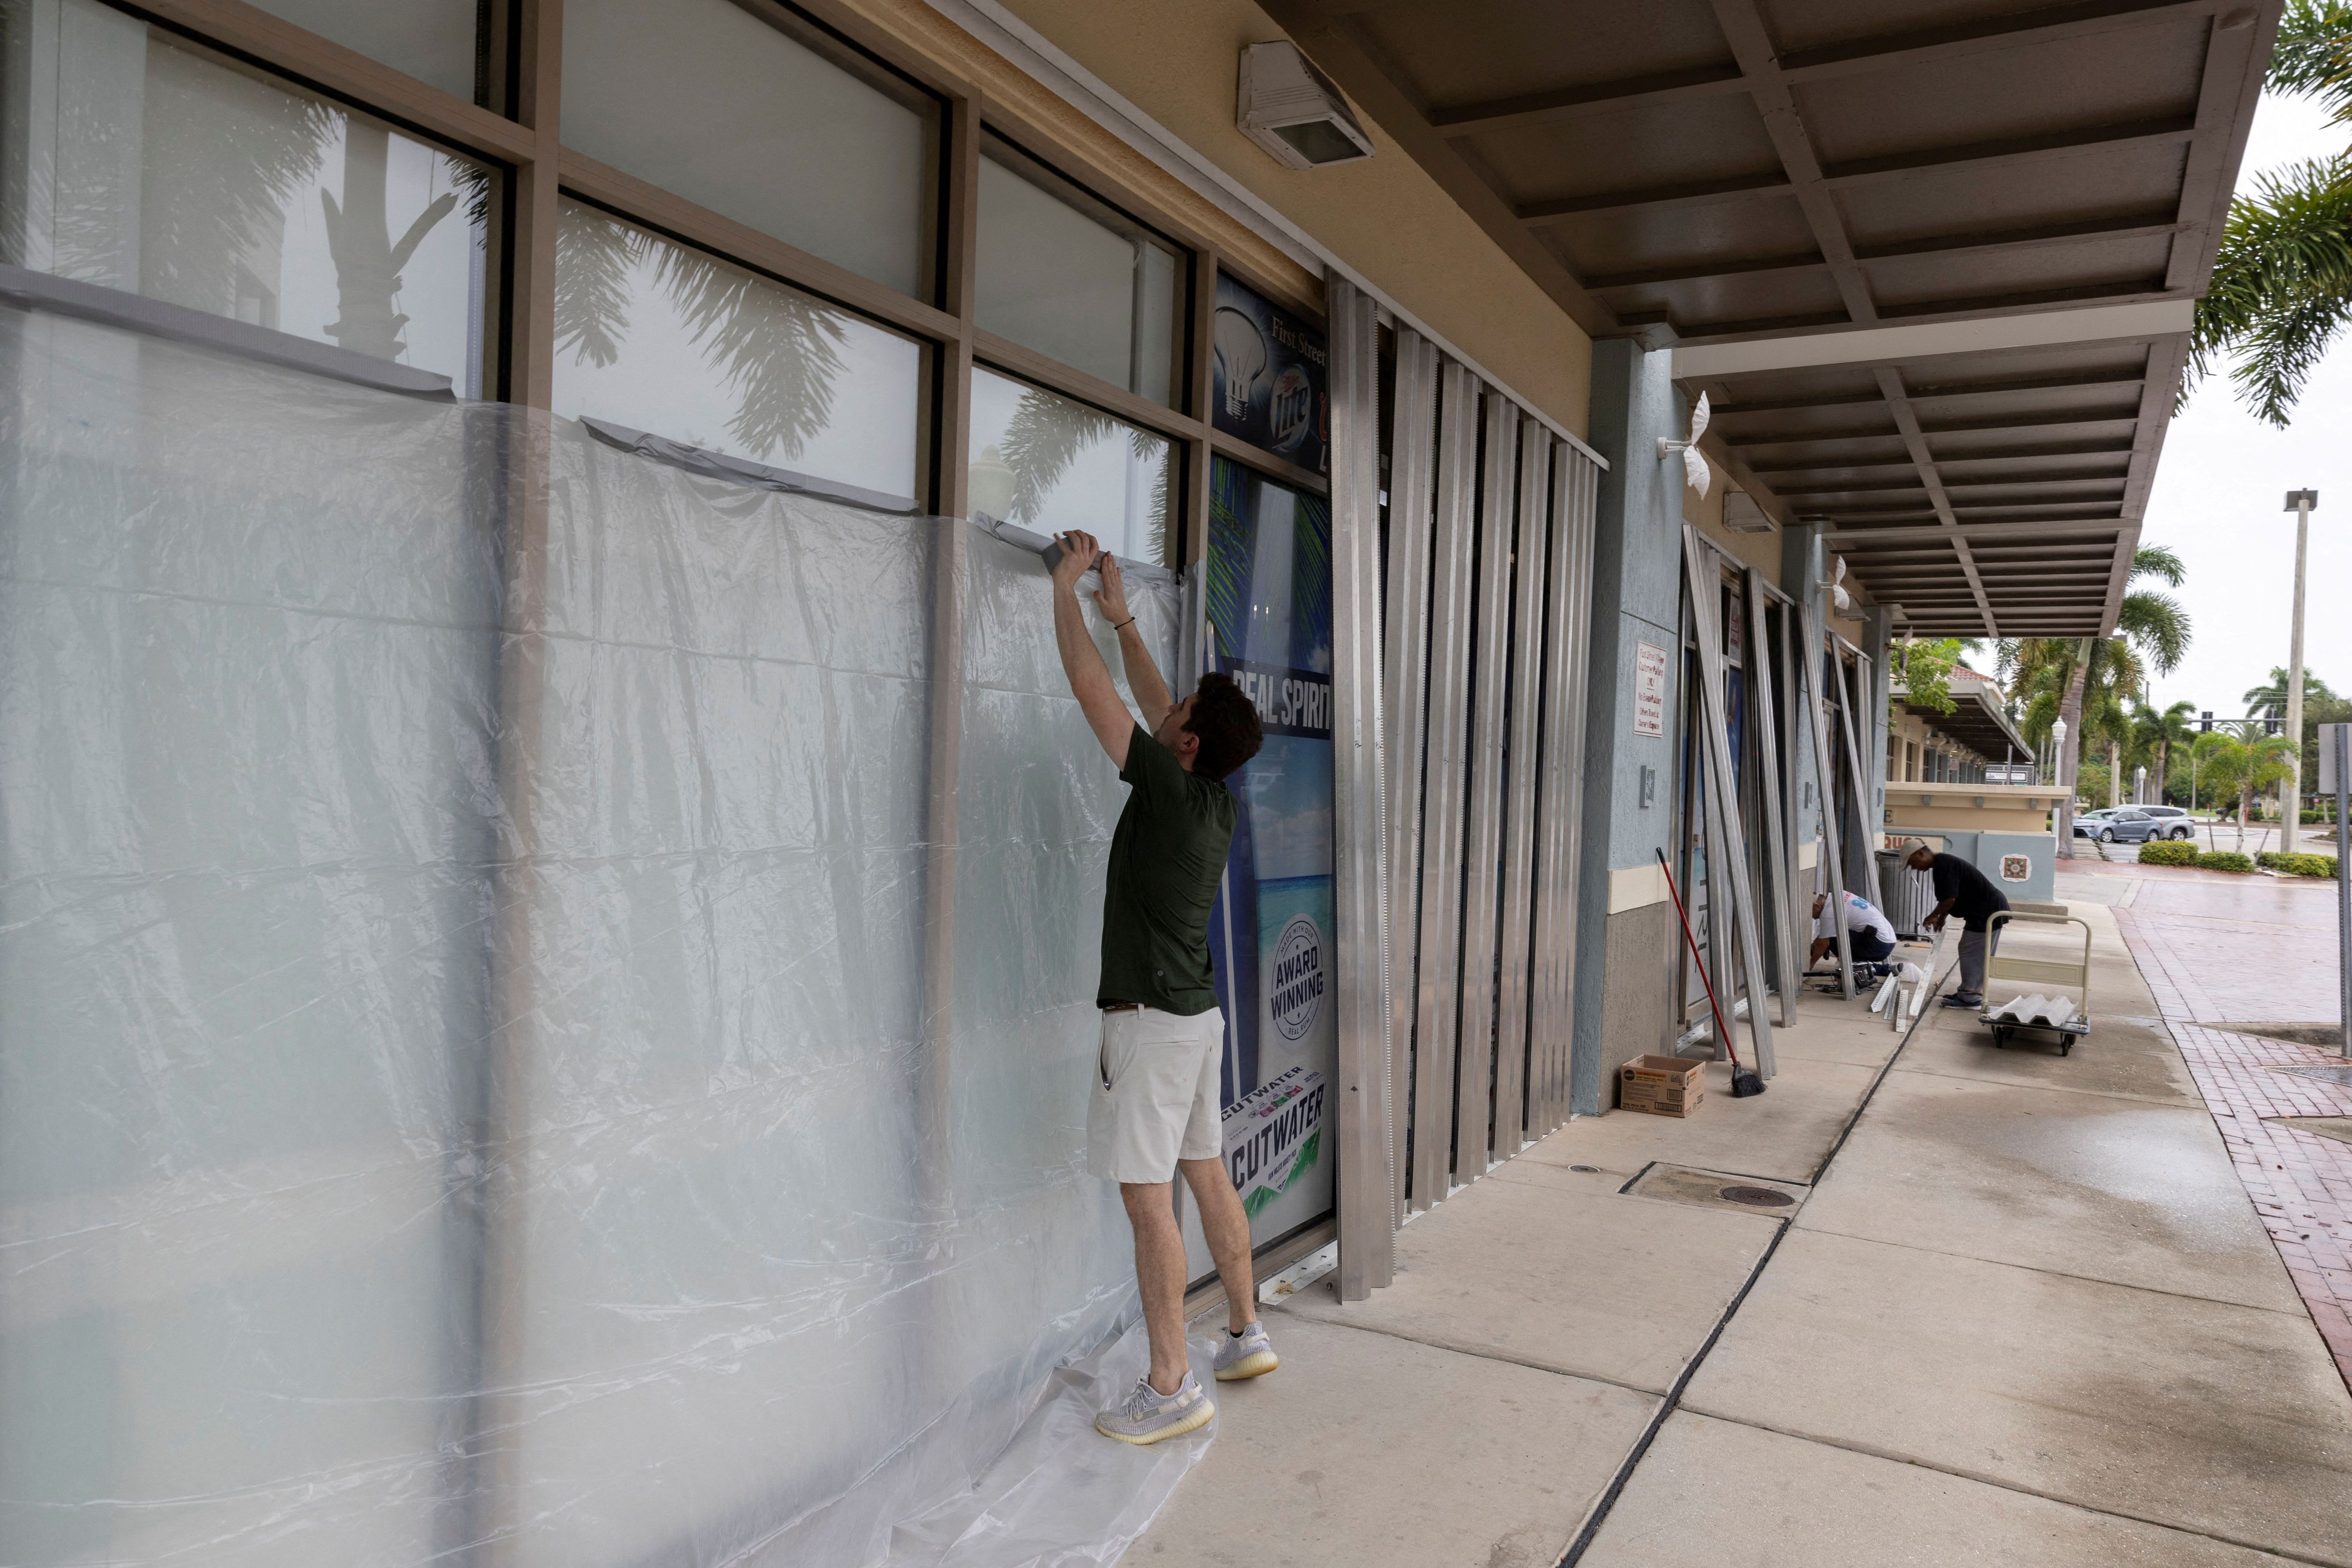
[
  {"x": 1741, "y": 514},
  {"x": 1295, "y": 111},
  {"x": 1694, "y": 471}
]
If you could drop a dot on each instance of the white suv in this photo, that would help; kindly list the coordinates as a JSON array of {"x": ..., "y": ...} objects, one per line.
[{"x": 2173, "y": 818}]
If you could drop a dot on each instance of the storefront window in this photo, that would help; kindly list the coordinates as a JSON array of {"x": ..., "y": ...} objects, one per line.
[
  {"x": 1063, "y": 274},
  {"x": 660, "y": 338},
  {"x": 1050, "y": 464},
  {"x": 142, "y": 165},
  {"x": 1269, "y": 610},
  {"x": 435, "y": 41},
  {"x": 702, "y": 98}
]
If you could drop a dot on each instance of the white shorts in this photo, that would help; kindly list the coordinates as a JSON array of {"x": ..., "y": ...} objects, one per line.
[{"x": 1155, "y": 1096}]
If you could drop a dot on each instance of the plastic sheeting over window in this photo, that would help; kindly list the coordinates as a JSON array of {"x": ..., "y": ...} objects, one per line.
[{"x": 475, "y": 1081}]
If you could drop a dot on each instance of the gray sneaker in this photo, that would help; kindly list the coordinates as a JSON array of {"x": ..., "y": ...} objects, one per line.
[
  {"x": 1245, "y": 1354},
  {"x": 1147, "y": 1416}
]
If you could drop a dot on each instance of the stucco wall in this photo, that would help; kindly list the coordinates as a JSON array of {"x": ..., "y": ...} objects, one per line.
[
  {"x": 1761, "y": 551},
  {"x": 1178, "y": 60}
]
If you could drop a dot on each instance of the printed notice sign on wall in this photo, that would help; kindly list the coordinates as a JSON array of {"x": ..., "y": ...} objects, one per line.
[{"x": 1649, "y": 688}]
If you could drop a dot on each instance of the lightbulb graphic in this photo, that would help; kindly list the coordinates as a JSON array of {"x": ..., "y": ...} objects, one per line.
[{"x": 1240, "y": 350}]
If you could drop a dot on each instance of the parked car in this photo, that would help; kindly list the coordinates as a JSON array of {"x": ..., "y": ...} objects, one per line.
[
  {"x": 2125, "y": 825},
  {"x": 2174, "y": 819}
]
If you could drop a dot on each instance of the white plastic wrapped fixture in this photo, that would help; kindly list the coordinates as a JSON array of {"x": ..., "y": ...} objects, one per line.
[{"x": 468, "y": 1088}]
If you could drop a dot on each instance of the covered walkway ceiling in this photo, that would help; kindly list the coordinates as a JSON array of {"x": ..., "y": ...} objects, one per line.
[{"x": 1931, "y": 259}]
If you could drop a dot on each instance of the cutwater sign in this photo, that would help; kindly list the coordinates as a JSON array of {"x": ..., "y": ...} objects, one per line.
[
  {"x": 1297, "y": 979},
  {"x": 1272, "y": 1135}
]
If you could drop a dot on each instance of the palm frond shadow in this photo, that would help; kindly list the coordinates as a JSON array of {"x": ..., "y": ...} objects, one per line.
[
  {"x": 1045, "y": 435},
  {"x": 778, "y": 351}
]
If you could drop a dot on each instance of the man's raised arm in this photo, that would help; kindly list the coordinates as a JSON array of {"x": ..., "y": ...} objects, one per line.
[
  {"x": 1142, "y": 671},
  {"x": 1090, "y": 681}
]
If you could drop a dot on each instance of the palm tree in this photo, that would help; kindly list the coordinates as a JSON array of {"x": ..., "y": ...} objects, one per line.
[
  {"x": 2147, "y": 625},
  {"x": 2282, "y": 286},
  {"x": 2245, "y": 762},
  {"x": 2106, "y": 725},
  {"x": 2147, "y": 735},
  {"x": 2269, "y": 702},
  {"x": 2172, "y": 727}
]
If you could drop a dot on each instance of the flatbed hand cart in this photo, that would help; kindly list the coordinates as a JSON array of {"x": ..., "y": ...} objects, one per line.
[{"x": 2003, "y": 1019}]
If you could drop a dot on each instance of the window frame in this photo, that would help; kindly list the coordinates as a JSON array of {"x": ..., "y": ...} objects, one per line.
[
  {"x": 515, "y": 130},
  {"x": 518, "y": 132}
]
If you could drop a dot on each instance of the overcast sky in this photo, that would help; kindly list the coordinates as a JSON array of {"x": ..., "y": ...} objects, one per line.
[{"x": 2219, "y": 488}]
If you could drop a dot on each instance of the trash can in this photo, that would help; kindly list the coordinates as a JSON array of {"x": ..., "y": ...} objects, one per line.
[{"x": 1908, "y": 894}]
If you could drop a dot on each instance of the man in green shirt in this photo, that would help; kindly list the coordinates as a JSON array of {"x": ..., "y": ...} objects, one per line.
[{"x": 1156, "y": 1109}]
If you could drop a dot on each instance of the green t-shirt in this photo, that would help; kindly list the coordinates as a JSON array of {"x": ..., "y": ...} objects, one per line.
[{"x": 1166, "y": 857}]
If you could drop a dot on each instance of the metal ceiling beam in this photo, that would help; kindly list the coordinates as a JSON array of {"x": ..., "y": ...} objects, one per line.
[
  {"x": 1919, "y": 340},
  {"x": 2063, "y": 482},
  {"x": 1871, "y": 171},
  {"x": 1752, "y": 46},
  {"x": 2038, "y": 238},
  {"x": 2076, "y": 449},
  {"x": 1898, "y": 403},
  {"x": 1697, "y": 271},
  {"x": 1729, "y": 407},
  {"x": 1579, "y": 102},
  {"x": 2037, "y": 530},
  {"x": 1885, "y": 52}
]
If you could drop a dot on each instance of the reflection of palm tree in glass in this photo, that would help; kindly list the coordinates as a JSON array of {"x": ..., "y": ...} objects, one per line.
[
  {"x": 780, "y": 350},
  {"x": 222, "y": 157},
  {"x": 367, "y": 261},
  {"x": 1045, "y": 435}
]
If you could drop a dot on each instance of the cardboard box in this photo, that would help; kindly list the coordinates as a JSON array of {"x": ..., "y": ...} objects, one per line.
[{"x": 1661, "y": 1086}]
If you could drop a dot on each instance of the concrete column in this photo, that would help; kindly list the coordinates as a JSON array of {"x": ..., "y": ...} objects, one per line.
[
  {"x": 1801, "y": 569},
  {"x": 1626, "y": 932},
  {"x": 1877, "y": 639}
]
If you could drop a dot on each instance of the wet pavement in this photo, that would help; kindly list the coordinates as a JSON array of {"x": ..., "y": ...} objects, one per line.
[
  {"x": 2022, "y": 1309},
  {"x": 2218, "y": 950}
]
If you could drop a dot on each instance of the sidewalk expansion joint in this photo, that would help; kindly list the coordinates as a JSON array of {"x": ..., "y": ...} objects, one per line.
[
  {"x": 2294, "y": 1311},
  {"x": 1616, "y": 1487},
  {"x": 1488, "y": 1353},
  {"x": 2187, "y": 1105},
  {"x": 1867, "y": 1451}
]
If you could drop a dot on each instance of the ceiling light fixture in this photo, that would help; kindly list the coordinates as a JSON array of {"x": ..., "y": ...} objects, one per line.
[{"x": 1295, "y": 111}]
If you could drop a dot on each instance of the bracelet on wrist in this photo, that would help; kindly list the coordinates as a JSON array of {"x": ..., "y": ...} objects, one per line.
[{"x": 1122, "y": 626}]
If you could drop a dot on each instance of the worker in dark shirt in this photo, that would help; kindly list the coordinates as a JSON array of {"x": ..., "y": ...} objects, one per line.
[
  {"x": 1961, "y": 890},
  {"x": 1156, "y": 1107}
]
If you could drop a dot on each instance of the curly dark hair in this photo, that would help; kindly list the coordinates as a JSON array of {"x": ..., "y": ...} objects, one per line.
[{"x": 1227, "y": 724}]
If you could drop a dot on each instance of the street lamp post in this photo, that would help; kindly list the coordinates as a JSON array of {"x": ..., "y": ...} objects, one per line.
[
  {"x": 2299, "y": 502},
  {"x": 2065, "y": 793}
]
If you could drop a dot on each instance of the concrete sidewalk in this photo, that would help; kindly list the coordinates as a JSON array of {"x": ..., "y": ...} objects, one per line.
[{"x": 2024, "y": 1312}]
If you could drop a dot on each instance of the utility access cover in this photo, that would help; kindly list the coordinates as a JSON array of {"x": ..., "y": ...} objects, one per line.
[{"x": 1718, "y": 1190}]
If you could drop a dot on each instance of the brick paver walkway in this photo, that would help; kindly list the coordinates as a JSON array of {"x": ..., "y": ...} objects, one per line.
[{"x": 2301, "y": 1183}]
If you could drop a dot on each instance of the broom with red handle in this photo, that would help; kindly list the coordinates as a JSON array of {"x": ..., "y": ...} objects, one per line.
[{"x": 1743, "y": 1081}]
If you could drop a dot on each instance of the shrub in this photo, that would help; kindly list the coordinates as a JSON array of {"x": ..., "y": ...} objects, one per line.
[
  {"x": 2223, "y": 860},
  {"x": 2167, "y": 852},
  {"x": 2298, "y": 865}
]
